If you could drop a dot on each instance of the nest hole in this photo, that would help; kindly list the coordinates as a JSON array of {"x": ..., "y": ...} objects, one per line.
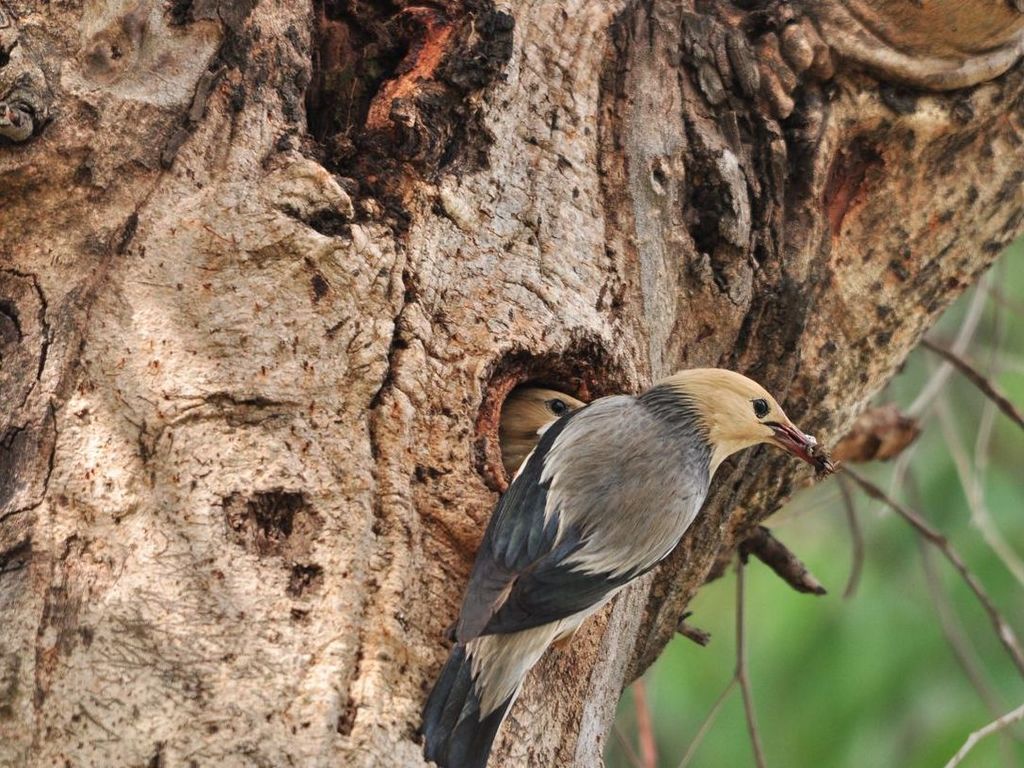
[{"x": 584, "y": 372}]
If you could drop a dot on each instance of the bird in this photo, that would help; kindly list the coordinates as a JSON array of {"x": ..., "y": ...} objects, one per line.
[
  {"x": 525, "y": 414},
  {"x": 607, "y": 494}
]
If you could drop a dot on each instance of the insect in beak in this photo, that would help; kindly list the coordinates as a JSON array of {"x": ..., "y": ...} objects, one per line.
[
  {"x": 803, "y": 446},
  {"x": 793, "y": 440}
]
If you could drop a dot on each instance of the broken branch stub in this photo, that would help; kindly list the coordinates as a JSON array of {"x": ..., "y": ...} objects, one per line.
[
  {"x": 878, "y": 434},
  {"x": 777, "y": 556}
]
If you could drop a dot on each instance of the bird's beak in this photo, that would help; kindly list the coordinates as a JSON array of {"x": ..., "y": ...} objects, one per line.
[{"x": 796, "y": 442}]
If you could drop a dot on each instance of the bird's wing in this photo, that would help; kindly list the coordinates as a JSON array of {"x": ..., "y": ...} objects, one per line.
[
  {"x": 516, "y": 537},
  {"x": 606, "y": 494}
]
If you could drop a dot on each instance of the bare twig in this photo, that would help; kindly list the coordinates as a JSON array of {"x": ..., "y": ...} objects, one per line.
[
  {"x": 741, "y": 670},
  {"x": 995, "y": 365},
  {"x": 977, "y": 379},
  {"x": 856, "y": 539},
  {"x": 1004, "y": 632},
  {"x": 982, "y": 443},
  {"x": 644, "y": 726},
  {"x": 998, "y": 724},
  {"x": 1013, "y": 363},
  {"x": 974, "y": 493},
  {"x": 627, "y": 748},
  {"x": 963, "y": 339},
  {"x": 940, "y": 377},
  {"x": 1000, "y": 299},
  {"x": 954, "y": 630},
  {"x": 958, "y": 639},
  {"x": 899, "y": 471},
  {"x": 708, "y": 722},
  {"x": 777, "y": 556}
]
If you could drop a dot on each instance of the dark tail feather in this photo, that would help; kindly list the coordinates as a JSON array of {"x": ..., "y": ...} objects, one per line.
[{"x": 454, "y": 735}]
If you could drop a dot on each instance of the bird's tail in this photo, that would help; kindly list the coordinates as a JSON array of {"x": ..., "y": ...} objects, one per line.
[{"x": 455, "y": 734}]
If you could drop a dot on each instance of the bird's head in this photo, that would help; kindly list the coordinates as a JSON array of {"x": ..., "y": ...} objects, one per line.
[
  {"x": 526, "y": 413},
  {"x": 737, "y": 413}
]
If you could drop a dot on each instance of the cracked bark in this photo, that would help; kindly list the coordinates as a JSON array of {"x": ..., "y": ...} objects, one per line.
[{"x": 267, "y": 272}]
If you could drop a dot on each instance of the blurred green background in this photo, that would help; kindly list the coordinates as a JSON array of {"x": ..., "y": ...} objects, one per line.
[{"x": 873, "y": 680}]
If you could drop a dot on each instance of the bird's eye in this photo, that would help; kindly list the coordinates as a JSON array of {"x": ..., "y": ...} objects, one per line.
[
  {"x": 760, "y": 407},
  {"x": 558, "y": 407}
]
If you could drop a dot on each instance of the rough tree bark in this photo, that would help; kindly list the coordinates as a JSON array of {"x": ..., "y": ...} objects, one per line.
[{"x": 268, "y": 269}]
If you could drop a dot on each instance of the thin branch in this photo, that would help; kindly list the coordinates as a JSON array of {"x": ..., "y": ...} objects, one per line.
[
  {"x": 953, "y": 629},
  {"x": 856, "y": 539},
  {"x": 955, "y": 633},
  {"x": 708, "y": 722},
  {"x": 1009, "y": 718},
  {"x": 995, "y": 364},
  {"x": 982, "y": 445},
  {"x": 1013, "y": 364},
  {"x": 741, "y": 670},
  {"x": 958, "y": 639},
  {"x": 1003, "y": 630},
  {"x": 1000, "y": 299},
  {"x": 977, "y": 379},
  {"x": 899, "y": 471},
  {"x": 644, "y": 726},
  {"x": 627, "y": 748},
  {"x": 963, "y": 339},
  {"x": 974, "y": 493},
  {"x": 938, "y": 378}
]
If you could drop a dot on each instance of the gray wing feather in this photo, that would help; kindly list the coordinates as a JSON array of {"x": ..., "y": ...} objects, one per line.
[{"x": 607, "y": 494}]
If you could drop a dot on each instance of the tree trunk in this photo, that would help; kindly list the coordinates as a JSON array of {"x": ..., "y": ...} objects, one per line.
[{"x": 267, "y": 271}]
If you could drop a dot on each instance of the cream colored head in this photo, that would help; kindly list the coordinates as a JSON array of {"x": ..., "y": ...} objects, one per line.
[
  {"x": 525, "y": 415},
  {"x": 737, "y": 413}
]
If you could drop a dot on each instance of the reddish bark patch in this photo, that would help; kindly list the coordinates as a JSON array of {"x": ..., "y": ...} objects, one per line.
[
  {"x": 846, "y": 180},
  {"x": 391, "y": 85},
  {"x": 419, "y": 65}
]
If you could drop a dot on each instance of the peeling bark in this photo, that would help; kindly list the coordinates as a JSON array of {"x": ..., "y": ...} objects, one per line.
[{"x": 267, "y": 272}]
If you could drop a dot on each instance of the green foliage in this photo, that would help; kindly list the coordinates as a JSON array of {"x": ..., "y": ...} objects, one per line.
[{"x": 870, "y": 681}]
